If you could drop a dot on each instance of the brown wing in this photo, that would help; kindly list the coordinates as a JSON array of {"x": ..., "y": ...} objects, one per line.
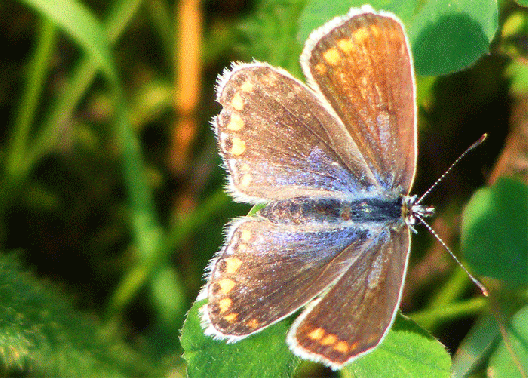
[
  {"x": 362, "y": 65},
  {"x": 357, "y": 312},
  {"x": 279, "y": 141},
  {"x": 267, "y": 271}
]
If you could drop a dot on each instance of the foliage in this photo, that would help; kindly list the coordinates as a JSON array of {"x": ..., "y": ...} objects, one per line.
[{"x": 111, "y": 193}]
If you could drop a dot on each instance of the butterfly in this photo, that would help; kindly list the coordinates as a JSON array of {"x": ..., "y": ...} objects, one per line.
[{"x": 334, "y": 162}]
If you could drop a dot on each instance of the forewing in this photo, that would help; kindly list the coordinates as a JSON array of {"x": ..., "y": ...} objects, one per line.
[
  {"x": 267, "y": 271},
  {"x": 357, "y": 312},
  {"x": 362, "y": 65},
  {"x": 279, "y": 141}
]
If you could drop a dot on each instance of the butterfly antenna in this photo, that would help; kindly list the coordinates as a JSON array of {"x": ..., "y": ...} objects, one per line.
[
  {"x": 480, "y": 285},
  {"x": 419, "y": 215},
  {"x": 473, "y": 146}
]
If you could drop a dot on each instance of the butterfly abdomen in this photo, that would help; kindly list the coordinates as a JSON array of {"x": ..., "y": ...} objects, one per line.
[{"x": 304, "y": 210}]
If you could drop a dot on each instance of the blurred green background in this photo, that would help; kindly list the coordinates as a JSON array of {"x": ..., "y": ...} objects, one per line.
[{"x": 111, "y": 191}]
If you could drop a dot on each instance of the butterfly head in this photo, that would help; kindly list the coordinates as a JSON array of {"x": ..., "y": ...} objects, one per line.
[{"x": 413, "y": 210}]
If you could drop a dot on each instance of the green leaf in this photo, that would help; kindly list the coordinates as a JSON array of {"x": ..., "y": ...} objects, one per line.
[
  {"x": 448, "y": 36},
  {"x": 517, "y": 73},
  {"x": 264, "y": 354},
  {"x": 91, "y": 36},
  {"x": 80, "y": 24},
  {"x": 42, "y": 334},
  {"x": 407, "y": 351},
  {"x": 270, "y": 34},
  {"x": 511, "y": 357},
  {"x": 476, "y": 346},
  {"x": 494, "y": 233}
]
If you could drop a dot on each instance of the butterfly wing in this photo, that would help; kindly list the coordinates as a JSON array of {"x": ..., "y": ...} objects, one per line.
[
  {"x": 266, "y": 271},
  {"x": 362, "y": 65},
  {"x": 353, "y": 136},
  {"x": 273, "y": 135},
  {"x": 355, "y": 315}
]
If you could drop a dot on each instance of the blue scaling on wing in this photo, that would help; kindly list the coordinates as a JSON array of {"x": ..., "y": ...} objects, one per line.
[
  {"x": 285, "y": 266},
  {"x": 279, "y": 141}
]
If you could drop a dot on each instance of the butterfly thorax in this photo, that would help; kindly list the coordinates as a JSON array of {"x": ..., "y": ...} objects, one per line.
[{"x": 303, "y": 210}]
